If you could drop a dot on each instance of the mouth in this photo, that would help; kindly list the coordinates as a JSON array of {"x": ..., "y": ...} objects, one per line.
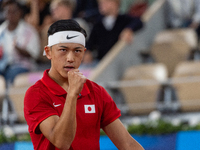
[{"x": 68, "y": 68}]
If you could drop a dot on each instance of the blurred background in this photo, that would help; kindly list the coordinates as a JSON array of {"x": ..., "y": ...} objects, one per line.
[{"x": 149, "y": 62}]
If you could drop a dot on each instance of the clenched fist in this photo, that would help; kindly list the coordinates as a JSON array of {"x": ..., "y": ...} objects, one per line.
[{"x": 76, "y": 81}]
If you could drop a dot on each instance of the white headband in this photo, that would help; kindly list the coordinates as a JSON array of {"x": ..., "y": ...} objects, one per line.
[{"x": 66, "y": 37}]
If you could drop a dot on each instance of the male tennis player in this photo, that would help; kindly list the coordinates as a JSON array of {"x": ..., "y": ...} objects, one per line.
[{"x": 64, "y": 110}]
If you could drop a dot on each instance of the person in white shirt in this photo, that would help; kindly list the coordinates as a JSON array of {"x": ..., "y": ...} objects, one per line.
[
  {"x": 19, "y": 43},
  {"x": 183, "y": 13}
]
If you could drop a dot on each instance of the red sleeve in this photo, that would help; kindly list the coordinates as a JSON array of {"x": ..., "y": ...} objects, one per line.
[
  {"x": 36, "y": 109},
  {"x": 110, "y": 110}
]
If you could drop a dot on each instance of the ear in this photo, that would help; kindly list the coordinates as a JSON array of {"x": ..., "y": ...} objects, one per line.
[{"x": 48, "y": 52}]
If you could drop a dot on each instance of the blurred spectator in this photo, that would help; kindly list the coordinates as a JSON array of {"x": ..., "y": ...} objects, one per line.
[
  {"x": 88, "y": 10},
  {"x": 126, "y": 5},
  {"x": 111, "y": 27},
  {"x": 62, "y": 9},
  {"x": 39, "y": 14},
  {"x": 19, "y": 43},
  {"x": 1, "y": 13},
  {"x": 183, "y": 13},
  {"x": 138, "y": 8}
]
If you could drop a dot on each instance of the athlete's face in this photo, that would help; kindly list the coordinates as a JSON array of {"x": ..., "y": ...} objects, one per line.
[{"x": 65, "y": 57}]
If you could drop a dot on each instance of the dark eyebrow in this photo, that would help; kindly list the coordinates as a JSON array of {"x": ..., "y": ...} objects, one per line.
[
  {"x": 63, "y": 46},
  {"x": 78, "y": 47},
  {"x": 67, "y": 47}
]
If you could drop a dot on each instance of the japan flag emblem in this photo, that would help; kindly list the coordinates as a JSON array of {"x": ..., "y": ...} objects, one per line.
[{"x": 89, "y": 108}]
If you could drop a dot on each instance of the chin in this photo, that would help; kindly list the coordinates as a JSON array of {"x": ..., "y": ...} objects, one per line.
[{"x": 64, "y": 74}]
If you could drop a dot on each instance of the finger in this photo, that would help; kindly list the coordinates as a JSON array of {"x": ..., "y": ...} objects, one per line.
[
  {"x": 74, "y": 70},
  {"x": 75, "y": 73}
]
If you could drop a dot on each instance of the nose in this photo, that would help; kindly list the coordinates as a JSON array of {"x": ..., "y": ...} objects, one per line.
[{"x": 70, "y": 57}]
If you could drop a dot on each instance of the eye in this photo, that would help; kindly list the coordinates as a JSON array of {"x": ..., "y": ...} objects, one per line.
[
  {"x": 63, "y": 50},
  {"x": 77, "y": 51}
]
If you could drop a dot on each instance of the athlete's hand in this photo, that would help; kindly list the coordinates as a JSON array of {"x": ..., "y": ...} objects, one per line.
[{"x": 76, "y": 81}]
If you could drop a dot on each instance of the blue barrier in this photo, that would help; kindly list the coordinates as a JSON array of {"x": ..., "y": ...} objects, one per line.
[
  {"x": 159, "y": 142},
  {"x": 188, "y": 140},
  {"x": 23, "y": 146},
  {"x": 7, "y": 146},
  {"x": 179, "y": 141}
]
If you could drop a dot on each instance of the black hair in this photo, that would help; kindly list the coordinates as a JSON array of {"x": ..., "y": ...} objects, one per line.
[
  {"x": 66, "y": 25},
  {"x": 20, "y": 6},
  {"x": 8, "y": 2}
]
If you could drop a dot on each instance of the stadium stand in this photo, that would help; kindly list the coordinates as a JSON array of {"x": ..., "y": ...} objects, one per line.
[
  {"x": 186, "y": 80},
  {"x": 173, "y": 46},
  {"x": 2, "y": 90},
  {"x": 142, "y": 85},
  {"x": 17, "y": 91}
]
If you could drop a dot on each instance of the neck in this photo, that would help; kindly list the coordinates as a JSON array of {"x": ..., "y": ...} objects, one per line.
[
  {"x": 63, "y": 82},
  {"x": 65, "y": 86},
  {"x": 12, "y": 26}
]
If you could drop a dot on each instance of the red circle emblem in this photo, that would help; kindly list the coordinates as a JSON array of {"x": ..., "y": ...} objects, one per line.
[{"x": 89, "y": 108}]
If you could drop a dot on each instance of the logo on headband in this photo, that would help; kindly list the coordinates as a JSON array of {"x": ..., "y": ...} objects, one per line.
[{"x": 70, "y": 37}]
